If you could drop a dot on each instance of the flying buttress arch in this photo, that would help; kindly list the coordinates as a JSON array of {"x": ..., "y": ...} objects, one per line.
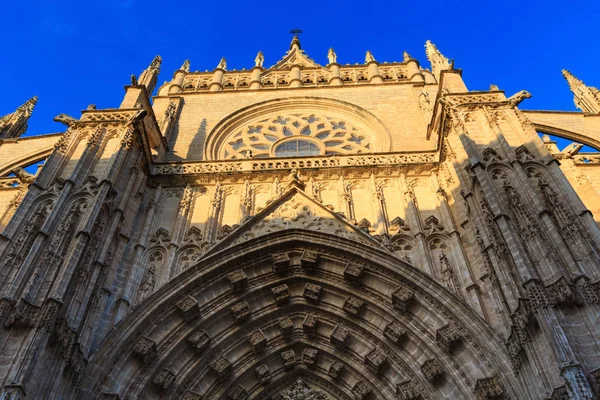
[{"x": 196, "y": 333}]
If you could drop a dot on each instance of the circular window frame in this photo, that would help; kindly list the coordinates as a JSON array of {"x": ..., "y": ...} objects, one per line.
[{"x": 320, "y": 144}]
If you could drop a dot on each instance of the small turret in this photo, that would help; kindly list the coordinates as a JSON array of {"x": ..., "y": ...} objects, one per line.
[
  {"x": 437, "y": 60},
  {"x": 586, "y": 98},
  {"x": 14, "y": 124},
  {"x": 149, "y": 77}
]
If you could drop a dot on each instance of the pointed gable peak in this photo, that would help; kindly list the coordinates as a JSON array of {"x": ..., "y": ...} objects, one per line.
[{"x": 295, "y": 56}]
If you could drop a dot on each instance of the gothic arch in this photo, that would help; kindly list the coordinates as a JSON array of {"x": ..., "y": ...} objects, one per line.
[
  {"x": 407, "y": 315},
  {"x": 317, "y": 105}
]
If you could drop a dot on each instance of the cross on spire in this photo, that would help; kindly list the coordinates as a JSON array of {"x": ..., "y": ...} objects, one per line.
[{"x": 296, "y": 31}]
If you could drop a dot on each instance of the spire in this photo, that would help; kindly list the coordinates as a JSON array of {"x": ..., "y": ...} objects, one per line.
[
  {"x": 436, "y": 59},
  {"x": 369, "y": 57},
  {"x": 331, "y": 56},
  {"x": 14, "y": 124},
  {"x": 185, "y": 66},
  {"x": 149, "y": 77},
  {"x": 295, "y": 43},
  {"x": 586, "y": 98},
  {"x": 259, "y": 60}
]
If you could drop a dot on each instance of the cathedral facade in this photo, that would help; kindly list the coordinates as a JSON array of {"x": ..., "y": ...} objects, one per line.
[{"x": 303, "y": 231}]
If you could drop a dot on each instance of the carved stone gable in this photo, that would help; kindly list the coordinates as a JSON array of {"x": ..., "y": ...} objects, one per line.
[{"x": 301, "y": 391}]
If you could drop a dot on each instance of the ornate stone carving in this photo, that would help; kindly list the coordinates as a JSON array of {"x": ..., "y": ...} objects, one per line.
[
  {"x": 263, "y": 374},
  {"x": 395, "y": 332},
  {"x": 375, "y": 360},
  {"x": 241, "y": 312},
  {"x": 145, "y": 349},
  {"x": 24, "y": 315},
  {"x": 402, "y": 297},
  {"x": 286, "y": 327},
  {"x": 189, "y": 395},
  {"x": 281, "y": 262},
  {"x": 238, "y": 280},
  {"x": 288, "y": 357},
  {"x": 353, "y": 306},
  {"x": 309, "y": 260},
  {"x": 301, "y": 391},
  {"x": 409, "y": 390},
  {"x": 189, "y": 308},
  {"x": 309, "y": 325},
  {"x": 310, "y": 356},
  {"x": 258, "y": 340},
  {"x": 281, "y": 294},
  {"x": 239, "y": 393},
  {"x": 340, "y": 335},
  {"x": 221, "y": 367},
  {"x": 432, "y": 370},
  {"x": 489, "y": 388},
  {"x": 199, "y": 340},
  {"x": 448, "y": 336},
  {"x": 164, "y": 379},
  {"x": 354, "y": 272},
  {"x": 336, "y": 369},
  {"x": 559, "y": 393},
  {"x": 562, "y": 293},
  {"x": 361, "y": 390},
  {"x": 312, "y": 292}
]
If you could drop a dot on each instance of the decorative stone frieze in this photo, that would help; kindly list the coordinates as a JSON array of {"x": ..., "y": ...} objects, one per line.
[
  {"x": 238, "y": 280},
  {"x": 340, "y": 336},
  {"x": 220, "y": 366},
  {"x": 189, "y": 308},
  {"x": 23, "y": 314},
  {"x": 353, "y": 273},
  {"x": 375, "y": 360},
  {"x": 309, "y": 260},
  {"x": 199, "y": 340},
  {"x": 312, "y": 292},
  {"x": 361, "y": 390},
  {"x": 310, "y": 356},
  {"x": 286, "y": 327},
  {"x": 281, "y": 294},
  {"x": 241, "y": 312},
  {"x": 145, "y": 349},
  {"x": 239, "y": 393},
  {"x": 336, "y": 369},
  {"x": 164, "y": 379},
  {"x": 489, "y": 389},
  {"x": 258, "y": 340},
  {"x": 562, "y": 293},
  {"x": 432, "y": 370},
  {"x": 281, "y": 262},
  {"x": 263, "y": 374},
  {"x": 288, "y": 357},
  {"x": 448, "y": 336},
  {"x": 402, "y": 298},
  {"x": 309, "y": 325},
  {"x": 395, "y": 332},
  {"x": 409, "y": 390},
  {"x": 353, "y": 306}
]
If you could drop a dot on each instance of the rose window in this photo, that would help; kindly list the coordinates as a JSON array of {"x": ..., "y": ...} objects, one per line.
[{"x": 297, "y": 136}]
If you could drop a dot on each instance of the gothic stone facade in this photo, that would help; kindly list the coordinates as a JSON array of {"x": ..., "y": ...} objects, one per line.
[{"x": 372, "y": 231}]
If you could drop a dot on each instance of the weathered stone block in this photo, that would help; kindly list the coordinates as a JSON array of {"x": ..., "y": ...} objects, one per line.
[
  {"x": 336, "y": 369},
  {"x": 189, "y": 395},
  {"x": 489, "y": 389},
  {"x": 286, "y": 327},
  {"x": 164, "y": 379},
  {"x": 353, "y": 306},
  {"x": 353, "y": 273},
  {"x": 312, "y": 292},
  {"x": 221, "y": 367},
  {"x": 241, "y": 312},
  {"x": 258, "y": 340},
  {"x": 432, "y": 370},
  {"x": 309, "y": 260},
  {"x": 281, "y": 294},
  {"x": 145, "y": 349},
  {"x": 409, "y": 390},
  {"x": 402, "y": 298},
  {"x": 375, "y": 360},
  {"x": 395, "y": 332},
  {"x": 281, "y": 262},
  {"x": 238, "y": 280},
  {"x": 288, "y": 358},
  {"x": 263, "y": 374},
  {"x": 309, "y": 325},
  {"x": 310, "y": 356},
  {"x": 340, "y": 335},
  {"x": 239, "y": 393},
  {"x": 361, "y": 390},
  {"x": 189, "y": 308},
  {"x": 448, "y": 336},
  {"x": 199, "y": 340}
]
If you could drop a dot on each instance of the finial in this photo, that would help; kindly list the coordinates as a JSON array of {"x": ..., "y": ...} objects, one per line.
[
  {"x": 586, "y": 98},
  {"x": 436, "y": 59},
  {"x": 185, "y": 66},
  {"x": 28, "y": 106},
  {"x": 259, "y": 60},
  {"x": 155, "y": 64},
  {"x": 406, "y": 57},
  {"x": 222, "y": 63},
  {"x": 572, "y": 80},
  {"x": 369, "y": 57},
  {"x": 331, "y": 56},
  {"x": 134, "y": 80},
  {"x": 13, "y": 125},
  {"x": 295, "y": 40},
  {"x": 494, "y": 87}
]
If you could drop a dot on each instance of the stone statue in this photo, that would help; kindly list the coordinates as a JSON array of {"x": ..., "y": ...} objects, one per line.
[
  {"x": 259, "y": 60},
  {"x": 406, "y": 57},
  {"x": 369, "y": 57},
  {"x": 222, "y": 63},
  {"x": 331, "y": 56}
]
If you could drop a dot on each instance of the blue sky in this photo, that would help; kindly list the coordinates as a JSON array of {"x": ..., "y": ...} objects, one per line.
[{"x": 72, "y": 54}]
